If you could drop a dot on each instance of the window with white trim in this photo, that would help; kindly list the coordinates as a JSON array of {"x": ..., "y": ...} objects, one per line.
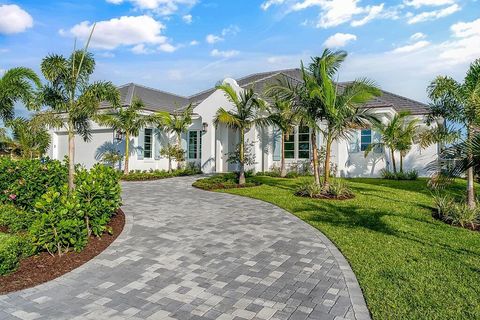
[
  {"x": 194, "y": 144},
  {"x": 365, "y": 139},
  {"x": 147, "y": 144},
  {"x": 297, "y": 144}
]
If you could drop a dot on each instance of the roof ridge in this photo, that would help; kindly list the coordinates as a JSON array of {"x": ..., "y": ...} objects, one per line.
[
  {"x": 406, "y": 98},
  {"x": 153, "y": 89}
]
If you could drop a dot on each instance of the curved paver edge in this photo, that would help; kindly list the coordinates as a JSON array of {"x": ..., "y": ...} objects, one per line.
[{"x": 357, "y": 298}]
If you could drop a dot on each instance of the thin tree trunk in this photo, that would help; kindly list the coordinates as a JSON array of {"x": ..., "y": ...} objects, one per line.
[
  {"x": 401, "y": 163},
  {"x": 393, "y": 161},
  {"x": 127, "y": 153},
  {"x": 283, "y": 170},
  {"x": 471, "y": 202},
  {"x": 71, "y": 158},
  {"x": 241, "y": 178},
  {"x": 328, "y": 151},
  {"x": 315, "y": 157},
  {"x": 179, "y": 143}
]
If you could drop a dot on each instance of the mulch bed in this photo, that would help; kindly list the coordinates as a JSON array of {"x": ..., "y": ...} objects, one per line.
[{"x": 45, "y": 267}]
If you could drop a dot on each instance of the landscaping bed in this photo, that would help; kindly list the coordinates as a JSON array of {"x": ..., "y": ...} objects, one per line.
[
  {"x": 159, "y": 174},
  {"x": 44, "y": 267},
  {"x": 223, "y": 181},
  {"x": 409, "y": 264}
]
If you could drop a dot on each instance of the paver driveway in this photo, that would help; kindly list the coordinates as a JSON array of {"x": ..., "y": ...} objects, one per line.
[{"x": 191, "y": 254}]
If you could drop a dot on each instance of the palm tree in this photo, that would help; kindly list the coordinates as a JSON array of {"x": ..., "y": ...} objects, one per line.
[
  {"x": 242, "y": 118},
  {"x": 17, "y": 84},
  {"x": 398, "y": 134},
  {"x": 285, "y": 115},
  {"x": 339, "y": 107},
  {"x": 176, "y": 123},
  {"x": 129, "y": 121},
  {"x": 460, "y": 103},
  {"x": 69, "y": 92}
]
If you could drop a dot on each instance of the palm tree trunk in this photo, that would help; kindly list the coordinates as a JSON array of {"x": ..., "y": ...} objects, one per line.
[
  {"x": 283, "y": 170},
  {"x": 328, "y": 151},
  {"x": 315, "y": 157},
  {"x": 179, "y": 144},
  {"x": 241, "y": 177},
  {"x": 471, "y": 201},
  {"x": 127, "y": 153},
  {"x": 401, "y": 163},
  {"x": 71, "y": 158},
  {"x": 393, "y": 161}
]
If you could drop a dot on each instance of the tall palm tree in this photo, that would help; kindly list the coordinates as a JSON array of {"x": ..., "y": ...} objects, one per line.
[
  {"x": 17, "y": 84},
  {"x": 176, "y": 123},
  {"x": 129, "y": 121},
  {"x": 285, "y": 115},
  {"x": 246, "y": 114},
  {"x": 340, "y": 107},
  {"x": 460, "y": 103},
  {"x": 69, "y": 92},
  {"x": 398, "y": 134}
]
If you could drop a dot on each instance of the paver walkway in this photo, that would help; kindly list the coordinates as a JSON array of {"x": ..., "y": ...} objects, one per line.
[{"x": 191, "y": 254}]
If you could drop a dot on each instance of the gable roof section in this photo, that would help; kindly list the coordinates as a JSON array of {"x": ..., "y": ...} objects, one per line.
[{"x": 154, "y": 100}]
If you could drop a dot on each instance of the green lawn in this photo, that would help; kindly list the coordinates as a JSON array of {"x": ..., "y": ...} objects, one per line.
[{"x": 409, "y": 265}]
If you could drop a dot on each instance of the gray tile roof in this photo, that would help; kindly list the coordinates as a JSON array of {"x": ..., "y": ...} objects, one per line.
[{"x": 156, "y": 100}]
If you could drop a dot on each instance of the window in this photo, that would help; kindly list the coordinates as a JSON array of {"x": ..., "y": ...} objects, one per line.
[
  {"x": 365, "y": 139},
  {"x": 193, "y": 144},
  {"x": 303, "y": 142},
  {"x": 147, "y": 144},
  {"x": 289, "y": 146}
]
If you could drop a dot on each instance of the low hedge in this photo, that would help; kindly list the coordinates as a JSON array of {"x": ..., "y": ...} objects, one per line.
[
  {"x": 222, "y": 181},
  {"x": 159, "y": 174},
  {"x": 12, "y": 249}
]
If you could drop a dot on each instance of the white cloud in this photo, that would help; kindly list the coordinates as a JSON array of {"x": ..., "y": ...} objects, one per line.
[
  {"x": 418, "y": 36},
  {"x": 175, "y": 74},
  {"x": 211, "y": 38},
  {"x": 339, "y": 40},
  {"x": 464, "y": 47},
  {"x": 231, "y": 30},
  {"x": 188, "y": 19},
  {"x": 224, "y": 54},
  {"x": 167, "y": 47},
  {"x": 14, "y": 19},
  {"x": 466, "y": 29},
  {"x": 162, "y": 7},
  {"x": 421, "y": 3},
  {"x": 373, "y": 12},
  {"x": 141, "y": 49},
  {"x": 267, "y": 4},
  {"x": 194, "y": 43},
  {"x": 107, "y": 54},
  {"x": 433, "y": 15},
  {"x": 412, "y": 47},
  {"x": 138, "y": 31}
]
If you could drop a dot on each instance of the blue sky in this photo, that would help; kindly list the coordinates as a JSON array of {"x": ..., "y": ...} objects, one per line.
[{"x": 185, "y": 46}]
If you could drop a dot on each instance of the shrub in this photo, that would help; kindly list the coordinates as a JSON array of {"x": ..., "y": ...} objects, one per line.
[
  {"x": 337, "y": 189},
  {"x": 406, "y": 175},
  {"x": 455, "y": 212},
  {"x": 12, "y": 249},
  {"x": 138, "y": 175},
  {"x": 99, "y": 196},
  {"x": 15, "y": 219},
  {"x": 60, "y": 223},
  {"x": 23, "y": 182},
  {"x": 222, "y": 181}
]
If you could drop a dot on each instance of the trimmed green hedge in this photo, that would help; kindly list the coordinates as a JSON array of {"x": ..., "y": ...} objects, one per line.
[
  {"x": 12, "y": 249},
  {"x": 222, "y": 181},
  {"x": 159, "y": 174}
]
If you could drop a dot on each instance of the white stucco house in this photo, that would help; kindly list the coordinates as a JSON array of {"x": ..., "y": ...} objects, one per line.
[{"x": 208, "y": 146}]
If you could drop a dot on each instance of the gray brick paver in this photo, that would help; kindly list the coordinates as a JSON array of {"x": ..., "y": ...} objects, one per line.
[{"x": 187, "y": 254}]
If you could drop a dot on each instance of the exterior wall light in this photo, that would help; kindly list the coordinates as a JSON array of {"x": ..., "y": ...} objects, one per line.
[{"x": 204, "y": 127}]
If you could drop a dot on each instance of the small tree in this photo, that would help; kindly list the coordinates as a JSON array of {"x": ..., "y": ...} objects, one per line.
[
  {"x": 69, "y": 92},
  {"x": 129, "y": 120},
  {"x": 172, "y": 152},
  {"x": 244, "y": 116},
  {"x": 176, "y": 123}
]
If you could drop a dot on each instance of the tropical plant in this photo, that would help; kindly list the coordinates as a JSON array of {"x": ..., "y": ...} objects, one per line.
[
  {"x": 129, "y": 121},
  {"x": 69, "y": 93},
  {"x": 176, "y": 123},
  {"x": 398, "y": 134},
  {"x": 172, "y": 152},
  {"x": 17, "y": 84},
  {"x": 284, "y": 114},
  {"x": 245, "y": 115},
  {"x": 460, "y": 103}
]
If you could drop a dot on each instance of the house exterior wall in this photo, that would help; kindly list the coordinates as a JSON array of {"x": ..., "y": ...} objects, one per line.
[{"x": 217, "y": 141}]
